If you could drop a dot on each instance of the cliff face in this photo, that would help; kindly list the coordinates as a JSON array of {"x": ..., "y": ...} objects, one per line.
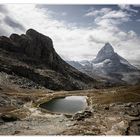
[{"x": 33, "y": 56}]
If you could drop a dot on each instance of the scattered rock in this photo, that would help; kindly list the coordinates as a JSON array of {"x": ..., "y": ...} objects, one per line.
[
  {"x": 128, "y": 104},
  {"x": 1, "y": 121},
  {"x": 134, "y": 127},
  {"x": 16, "y": 132},
  {"x": 68, "y": 115},
  {"x": 106, "y": 108},
  {"x": 82, "y": 115},
  {"x": 4, "y": 101},
  {"x": 9, "y": 118},
  {"x": 117, "y": 129},
  {"x": 133, "y": 112}
]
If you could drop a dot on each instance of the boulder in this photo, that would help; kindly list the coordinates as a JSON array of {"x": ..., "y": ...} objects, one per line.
[
  {"x": 9, "y": 118},
  {"x": 82, "y": 115}
]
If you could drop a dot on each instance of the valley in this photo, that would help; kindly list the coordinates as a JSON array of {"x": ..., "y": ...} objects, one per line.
[{"x": 32, "y": 73}]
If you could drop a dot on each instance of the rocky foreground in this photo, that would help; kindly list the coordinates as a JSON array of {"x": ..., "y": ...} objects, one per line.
[{"x": 114, "y": 111}]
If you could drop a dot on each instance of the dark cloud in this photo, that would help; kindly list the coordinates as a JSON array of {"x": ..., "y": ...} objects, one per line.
[
  {"x": 3, "y": 9},
  {"x": 9, "y": 21}
]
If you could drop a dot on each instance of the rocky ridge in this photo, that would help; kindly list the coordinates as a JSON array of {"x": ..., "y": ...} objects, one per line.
[{"x": 33, "y": 57}]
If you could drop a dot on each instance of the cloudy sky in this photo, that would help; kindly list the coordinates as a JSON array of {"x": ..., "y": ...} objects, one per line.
[{"x": 78, "y": 31}]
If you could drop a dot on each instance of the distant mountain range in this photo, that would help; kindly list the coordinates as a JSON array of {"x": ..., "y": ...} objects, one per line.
[
  {"x": 110, "y": 67},
  {"x": 32, "y": 57}
]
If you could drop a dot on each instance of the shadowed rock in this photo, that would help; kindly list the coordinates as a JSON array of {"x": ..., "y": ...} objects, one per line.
[
  {"x": 33, "y": 56},
  {"x": 9, "y": 118}
]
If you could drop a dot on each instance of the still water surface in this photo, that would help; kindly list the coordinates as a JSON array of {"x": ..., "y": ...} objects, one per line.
[{"x": 69, "y": 104}]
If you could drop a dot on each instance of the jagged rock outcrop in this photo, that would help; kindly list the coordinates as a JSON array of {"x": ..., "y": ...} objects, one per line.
[{"x": 33, "y": 56}]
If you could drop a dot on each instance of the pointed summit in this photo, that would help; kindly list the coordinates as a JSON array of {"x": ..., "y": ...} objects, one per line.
[
  {"x": 108, "y": 48},
  {"x": 105, "y": 53}
]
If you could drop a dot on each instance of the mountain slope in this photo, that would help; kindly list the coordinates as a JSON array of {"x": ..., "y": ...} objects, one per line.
[
  {"x": 33, "y": 57},
  {"x": 110, "y": 67}
]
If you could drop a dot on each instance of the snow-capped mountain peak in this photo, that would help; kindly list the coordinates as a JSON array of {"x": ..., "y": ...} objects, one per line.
[
  {"x": 107, "y": 48},
  {"x": 110, "y": 65},
  {"x": 105, "y": 53}
]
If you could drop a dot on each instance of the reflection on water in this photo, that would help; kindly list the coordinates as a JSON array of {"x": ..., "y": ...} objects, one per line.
[{"x": 69, "y": 104}]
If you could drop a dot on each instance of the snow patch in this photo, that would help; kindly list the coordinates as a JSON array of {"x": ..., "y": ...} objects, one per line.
[{"x": 101, "y": 64}]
